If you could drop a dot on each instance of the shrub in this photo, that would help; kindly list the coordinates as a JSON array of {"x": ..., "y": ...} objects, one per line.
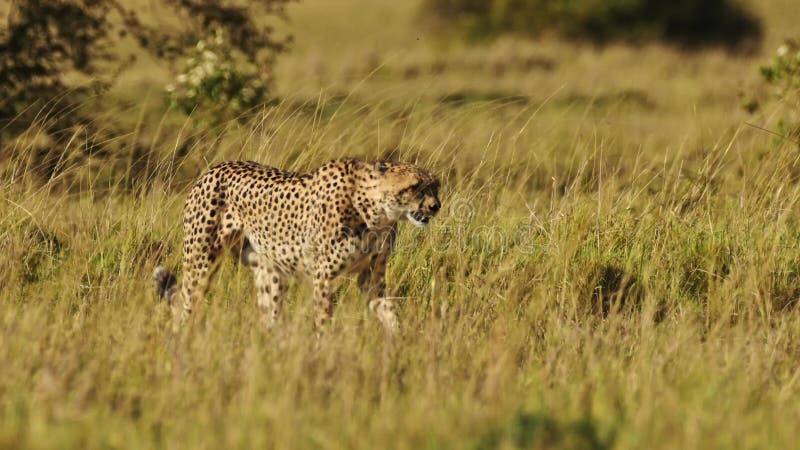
[
  {"x": 689, "y": 23},
  {"x": 783, "y": 74},
  {"x": 218, "y": 78}
]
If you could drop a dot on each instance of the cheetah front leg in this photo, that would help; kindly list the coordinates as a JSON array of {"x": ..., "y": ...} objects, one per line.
[
  {"x": 270, "y": 286},
  {"x": 372, "y": 283},
  {"x": 323, "y": 300}
]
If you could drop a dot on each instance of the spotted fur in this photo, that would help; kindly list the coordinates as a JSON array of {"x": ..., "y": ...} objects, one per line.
[{"x": 339, "y": 218}]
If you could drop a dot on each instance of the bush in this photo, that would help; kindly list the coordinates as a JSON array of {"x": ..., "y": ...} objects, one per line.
[
  {"x": 783, "y": 74},
  {"x": 218, "y": 79},
  {"x": 689, "y": 23}
]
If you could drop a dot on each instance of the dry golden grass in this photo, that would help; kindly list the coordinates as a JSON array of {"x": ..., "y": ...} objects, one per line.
[{"x": 616, "y": 264}]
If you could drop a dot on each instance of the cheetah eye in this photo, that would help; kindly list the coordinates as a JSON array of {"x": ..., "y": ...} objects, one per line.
[
  {"x": 414, "y": 188},
  {"x": 419, "y": 190}
]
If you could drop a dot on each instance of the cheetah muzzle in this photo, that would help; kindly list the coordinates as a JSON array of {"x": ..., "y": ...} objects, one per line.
[{"x": 340, "y": 218}]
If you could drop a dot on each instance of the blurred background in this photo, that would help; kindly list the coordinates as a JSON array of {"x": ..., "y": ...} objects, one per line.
[{"x": 639, "y": 70}]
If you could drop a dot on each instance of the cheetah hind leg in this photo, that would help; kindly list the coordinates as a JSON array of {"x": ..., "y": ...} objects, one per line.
[{"x": 199, "y": 269}]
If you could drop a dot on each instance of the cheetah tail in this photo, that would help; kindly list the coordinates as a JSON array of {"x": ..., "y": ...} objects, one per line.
[{"x": 166, "y": 284}]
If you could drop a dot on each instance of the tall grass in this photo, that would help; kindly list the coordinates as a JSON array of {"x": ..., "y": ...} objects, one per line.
[{"x": 570, "y": 295}]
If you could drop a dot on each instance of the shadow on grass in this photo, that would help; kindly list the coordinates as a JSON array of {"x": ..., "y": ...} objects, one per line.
[
  {"x": 626, "y": 98},
  {"x": 465, "y": 97},
  {"x": 539, "y": 431}
]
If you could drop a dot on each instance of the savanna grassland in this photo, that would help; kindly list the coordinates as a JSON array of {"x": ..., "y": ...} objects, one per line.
[{"x": 617, "y": 262}]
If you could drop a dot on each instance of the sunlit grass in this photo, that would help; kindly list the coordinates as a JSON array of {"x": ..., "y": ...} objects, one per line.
[{"x": 570, "y": 295}]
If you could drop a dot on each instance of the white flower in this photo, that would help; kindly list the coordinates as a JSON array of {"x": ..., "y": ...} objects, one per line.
[
  {"x": 209, "y": 55},
  {"x": 181, "y": 78},
  {"x": 783, "y": 50},
  {"x": 170, "y": 88},
  {"x": 201, "y": 45}
]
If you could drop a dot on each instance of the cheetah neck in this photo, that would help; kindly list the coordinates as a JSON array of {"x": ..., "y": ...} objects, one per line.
[
  {"x": 367, "y": 201},
  {"x": 370, "y": 212}
]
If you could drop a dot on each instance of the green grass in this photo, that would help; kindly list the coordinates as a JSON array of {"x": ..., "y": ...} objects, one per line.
[{"x": 616, "y": 264}]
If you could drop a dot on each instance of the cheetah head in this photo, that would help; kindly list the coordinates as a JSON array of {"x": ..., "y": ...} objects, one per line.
[{"x": 406, "y": 192}]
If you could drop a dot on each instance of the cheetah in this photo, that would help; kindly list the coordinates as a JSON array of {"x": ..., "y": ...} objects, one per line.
[{"x": 340, "y": 218}]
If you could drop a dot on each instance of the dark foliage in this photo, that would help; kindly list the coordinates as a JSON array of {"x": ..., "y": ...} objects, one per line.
[
  {"x": 45, "y": 40},
  {"x": 688, "y": 23}
]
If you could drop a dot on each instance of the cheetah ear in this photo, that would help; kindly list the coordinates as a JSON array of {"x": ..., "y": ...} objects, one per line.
[{"x": 381, "y": 166}]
